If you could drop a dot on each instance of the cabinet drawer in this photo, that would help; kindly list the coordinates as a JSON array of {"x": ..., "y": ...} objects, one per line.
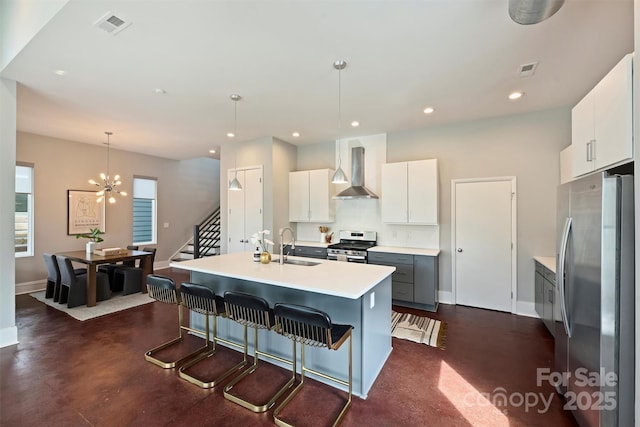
[
  {"x": 403, "y": 273},
  {"x": 388, "y": 258},
  {"x": 402, "y": 291},
  {"x": 550, "y": 276},
  {"x": 311, "y": 252}
]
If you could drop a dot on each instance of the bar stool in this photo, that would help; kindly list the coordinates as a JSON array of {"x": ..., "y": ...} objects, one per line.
[
  {"x": 311, "y": 327},
  {"x": 204, "y": 300},
  {"x": 253, "y": 311},
  {"x": 163, "y": 289}
]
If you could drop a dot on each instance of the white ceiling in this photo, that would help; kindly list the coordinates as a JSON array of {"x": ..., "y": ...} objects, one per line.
[{"x": 460, "y": 56}]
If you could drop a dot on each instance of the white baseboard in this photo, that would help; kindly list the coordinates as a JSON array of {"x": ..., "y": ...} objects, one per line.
[
  {"x": 8, "y": 336},
  {"x": 523, "y": 308},
  {"x": 160, "y": 265},
  {"x": 28, "y": 287},
  {"x": 526, "y": 308},
  {"x": 445, "y": 297}
]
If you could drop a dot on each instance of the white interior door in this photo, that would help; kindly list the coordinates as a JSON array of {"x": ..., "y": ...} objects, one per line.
[
  {"x": 245, "y": 210},
  {"x": 235, "y": 227},
  {"x": 484, "y": 227},
  {"x": 253, "y": 205}
]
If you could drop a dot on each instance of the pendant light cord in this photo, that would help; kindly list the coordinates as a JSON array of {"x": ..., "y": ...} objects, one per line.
[
  {"x": 339, "y": 117},
  {"x": 108, "y": 145},
  {"x": 235, "y": 125}
]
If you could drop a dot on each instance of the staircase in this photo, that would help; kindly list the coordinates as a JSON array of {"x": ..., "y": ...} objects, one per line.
[{"x": 205, "y": 240}]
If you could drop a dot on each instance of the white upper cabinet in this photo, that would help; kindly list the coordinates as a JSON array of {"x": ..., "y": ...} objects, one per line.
[
  {"x": 602, "y": 122},
  {"x": 310, "y": 196},
  {"x": 410, "y": 192},
  {"x": 394, "y": 193}
]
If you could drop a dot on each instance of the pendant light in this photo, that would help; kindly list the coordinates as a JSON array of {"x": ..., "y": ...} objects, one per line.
[
  {"x": 339, "y": 176},
  {"x": 234, "y": 184},
  {"x": 108, "y": 185}
]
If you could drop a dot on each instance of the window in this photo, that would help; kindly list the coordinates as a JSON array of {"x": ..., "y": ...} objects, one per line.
[
  {"x": 144, "y": 210},
  {"x": 23, "y": 242}
]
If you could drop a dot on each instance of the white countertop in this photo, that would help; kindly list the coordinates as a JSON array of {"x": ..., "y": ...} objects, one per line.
[
  {"x": 341, "y": 279},
  {"x": 547, "y": 261},
  {"x": 402, "y": 250}
]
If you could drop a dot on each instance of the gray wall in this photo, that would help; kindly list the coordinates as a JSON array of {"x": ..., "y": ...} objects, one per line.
[
  {"x": 8, "y": 330},
  {"x": 187, "y": 192},
  {"x": 526, "y": 146}
]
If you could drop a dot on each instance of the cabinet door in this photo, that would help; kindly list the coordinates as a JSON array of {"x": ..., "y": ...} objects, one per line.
[
  {"x": 422, "y": 192},
  {"x": 299, "y": 196},
  {"x": 394, "y": 193},
  {"x": 320, "y": 202},
  {"x": 539, "y": 293},
  {"x": 582, "y": 135},
  {"x": 613, "y": 115},
  {"x": 549, "y": 291},
  {"x": 425, "y": 284}
]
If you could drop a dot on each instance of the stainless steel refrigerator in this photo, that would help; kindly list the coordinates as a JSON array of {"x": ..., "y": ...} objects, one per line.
[{"x": 594, "y": 339}]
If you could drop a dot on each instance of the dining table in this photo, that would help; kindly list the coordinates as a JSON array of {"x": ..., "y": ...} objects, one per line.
[{"x": 93, "y": 260}]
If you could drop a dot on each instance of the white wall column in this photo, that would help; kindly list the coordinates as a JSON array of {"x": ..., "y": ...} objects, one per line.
[{"x": 8, "y": 330}]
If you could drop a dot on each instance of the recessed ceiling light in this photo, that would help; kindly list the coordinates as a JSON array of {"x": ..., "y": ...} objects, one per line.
[
  {"x": 429, "y": 110},
  {"x": 515, "y": 95},
  {"x": 355, "y": 123},
  {"x": 212, "y": 151},
  {"x": 60, "y": 72},
  {"x": 160, "y": 91},
  {"x": 295, "y": 134},
  {"x": 230, "y": 134}
]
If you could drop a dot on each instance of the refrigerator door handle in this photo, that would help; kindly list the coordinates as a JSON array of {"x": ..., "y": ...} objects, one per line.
[{"x": 562, "y": 256}]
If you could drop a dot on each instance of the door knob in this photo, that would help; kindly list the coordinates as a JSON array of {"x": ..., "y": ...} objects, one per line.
[{"x": 459, "y": 249}]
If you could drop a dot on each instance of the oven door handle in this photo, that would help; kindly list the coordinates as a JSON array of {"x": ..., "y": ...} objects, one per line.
[{"x": 356, "y": 257}]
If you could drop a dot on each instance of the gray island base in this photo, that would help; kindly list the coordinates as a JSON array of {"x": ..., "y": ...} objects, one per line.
[{"x": 355, "y": 294}]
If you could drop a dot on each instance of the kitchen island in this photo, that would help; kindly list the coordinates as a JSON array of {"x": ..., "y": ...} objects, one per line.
[{"x": 355, "y": 294}]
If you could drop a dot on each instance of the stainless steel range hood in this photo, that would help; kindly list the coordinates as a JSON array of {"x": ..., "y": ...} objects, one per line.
[{"x": 357, "y": 189}]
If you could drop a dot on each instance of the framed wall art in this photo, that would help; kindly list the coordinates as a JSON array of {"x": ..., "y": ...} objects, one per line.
[{"x": 84, "y": 212}]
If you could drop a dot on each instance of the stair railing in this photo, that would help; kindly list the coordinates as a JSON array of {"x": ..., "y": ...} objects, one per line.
[{"x": 206, "y": 235}]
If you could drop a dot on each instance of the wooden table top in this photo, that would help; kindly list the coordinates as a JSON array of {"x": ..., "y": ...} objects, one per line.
[{"x": 84, "y": 257}]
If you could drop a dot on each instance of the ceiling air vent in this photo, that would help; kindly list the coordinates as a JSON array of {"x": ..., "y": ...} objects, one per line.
[
  {"x": 527, "y": 70},
  {"x": 111, "y": 23}
]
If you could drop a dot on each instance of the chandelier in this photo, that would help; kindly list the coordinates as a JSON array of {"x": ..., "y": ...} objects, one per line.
[{"x": 108, "y": 185}]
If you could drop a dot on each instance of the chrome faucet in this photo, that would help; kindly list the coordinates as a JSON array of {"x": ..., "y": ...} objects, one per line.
[{"x": 282, "y": 244}]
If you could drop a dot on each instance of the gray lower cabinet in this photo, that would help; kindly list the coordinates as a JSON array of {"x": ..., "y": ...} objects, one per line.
[
  {"x": 545, "y": 289},
  {"x": 309, "y": 251},
  {"x": 415, "y": 281}
]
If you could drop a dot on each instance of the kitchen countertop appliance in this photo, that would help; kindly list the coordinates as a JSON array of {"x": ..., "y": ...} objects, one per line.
[
  {"x": 352, "y": 246},
  {"x": 594, "y": 326}
]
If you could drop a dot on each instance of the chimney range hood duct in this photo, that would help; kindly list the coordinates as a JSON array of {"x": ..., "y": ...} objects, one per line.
[
  {"x": 527, "y": 12},
  {"x": 357, "y": 189}
]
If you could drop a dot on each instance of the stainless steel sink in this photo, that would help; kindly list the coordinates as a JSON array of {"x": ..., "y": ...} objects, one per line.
[{"x": 297, "y": 262}]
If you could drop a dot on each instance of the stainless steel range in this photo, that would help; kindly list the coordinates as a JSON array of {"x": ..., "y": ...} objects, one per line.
[{"x": 352, "y": 247}]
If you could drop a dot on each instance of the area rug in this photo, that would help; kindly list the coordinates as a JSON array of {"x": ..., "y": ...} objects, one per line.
[
  {"x": 423, "y": 330},
  {"x": 114, "y": 304}
]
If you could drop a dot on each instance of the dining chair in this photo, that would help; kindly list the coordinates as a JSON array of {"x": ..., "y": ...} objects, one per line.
[
  {"x": 110, "y": 269},
  {"x": 73, "y": 288},
  {"x": 130, "y": 280}
]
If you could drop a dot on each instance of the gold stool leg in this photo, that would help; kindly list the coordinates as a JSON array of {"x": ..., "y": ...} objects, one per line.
[
  {"x": 210, "y": 384},
  {"x": 245, "y": 403}
]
